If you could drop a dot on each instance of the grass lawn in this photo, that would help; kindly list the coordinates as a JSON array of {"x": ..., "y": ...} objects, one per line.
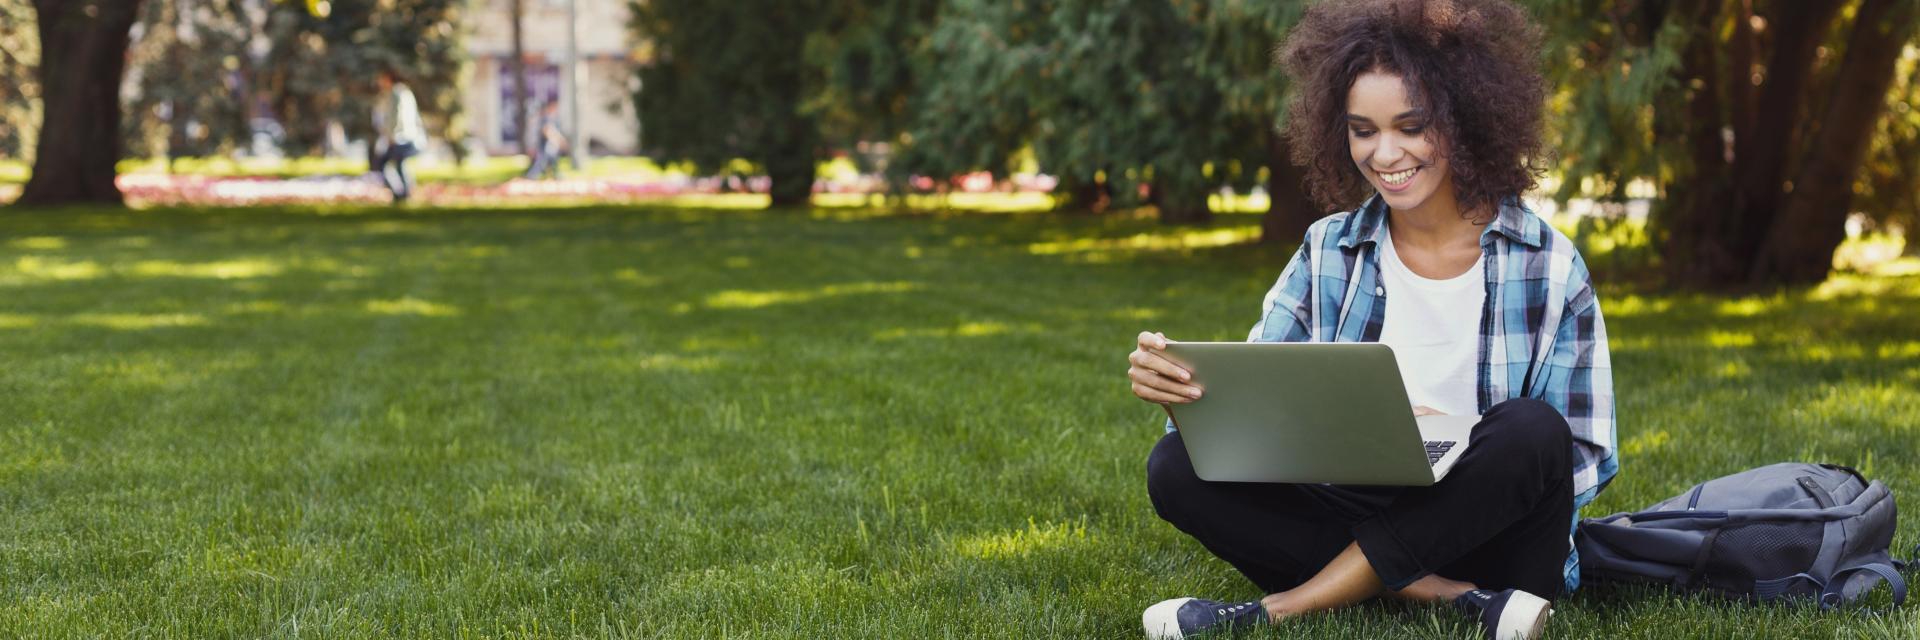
[{"x": 680, "y": 423}]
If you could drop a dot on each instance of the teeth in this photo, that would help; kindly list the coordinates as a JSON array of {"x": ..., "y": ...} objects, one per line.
[{"x": 1399, "y": 178}]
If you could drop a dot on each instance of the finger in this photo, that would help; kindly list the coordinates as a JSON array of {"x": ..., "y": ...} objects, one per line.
[
  {"x": 1147, "y": 340},
  {"x": 1156, "y": 380},
  {"x": 1151, "y": 340},
  {"x": 1157, "y": 362},
  {"x": 1151, "y": 394}
]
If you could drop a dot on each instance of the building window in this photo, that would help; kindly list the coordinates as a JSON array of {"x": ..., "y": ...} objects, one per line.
[{"x": 543, "y": 86}]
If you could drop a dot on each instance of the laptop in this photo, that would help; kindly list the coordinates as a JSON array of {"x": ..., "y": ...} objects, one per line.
[{"x": 1309, "y": 412}]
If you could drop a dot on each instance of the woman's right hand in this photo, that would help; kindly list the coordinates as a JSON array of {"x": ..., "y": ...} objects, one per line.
[{"x": 1155, "y": 378}]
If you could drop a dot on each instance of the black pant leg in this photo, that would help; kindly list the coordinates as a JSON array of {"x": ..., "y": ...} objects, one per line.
[
  {"x": 1277, "y": 535},
  {"x": 1501, "y": 516},
  {"x": 402, "y": 153}
]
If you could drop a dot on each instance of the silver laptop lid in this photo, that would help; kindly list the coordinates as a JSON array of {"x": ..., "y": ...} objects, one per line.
[{"x": 1299, "y": 412}]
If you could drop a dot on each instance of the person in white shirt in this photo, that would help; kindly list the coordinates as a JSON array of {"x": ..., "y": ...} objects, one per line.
[{"x": 396, "y": 120}]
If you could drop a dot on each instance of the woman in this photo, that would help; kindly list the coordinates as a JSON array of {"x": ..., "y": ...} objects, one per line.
[{"x": 1427, "y": 114}]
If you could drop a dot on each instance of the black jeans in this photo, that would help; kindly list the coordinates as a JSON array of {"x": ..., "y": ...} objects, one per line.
[
  {"x": 401, "y": 184},
  {"x": 1500, "y": 519}
]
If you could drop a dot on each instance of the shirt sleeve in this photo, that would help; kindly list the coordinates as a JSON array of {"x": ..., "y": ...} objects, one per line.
[
  {"x": 1579, "y": 382},
  {"x": 1286, "y": 315}
]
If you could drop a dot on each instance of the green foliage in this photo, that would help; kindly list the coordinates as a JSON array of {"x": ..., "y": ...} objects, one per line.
[
  {"x": 189, "y": 70},
  {"x": 668, "y": 423},
  {"x": 1889, "y": 187},
  {"x": 19, "y": 87},
  {"x": 866, "y": 55},
  {"x": 1180, "y": 95},
  {"x": 732, "y": 80},
  {"x": 1610, "y": 77},
  {"x": 321, "y": 70},
  {"x": 983, "y": 66}
]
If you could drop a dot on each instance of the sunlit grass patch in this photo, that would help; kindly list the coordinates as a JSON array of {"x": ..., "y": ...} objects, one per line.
[
  {"x": 137, "y": 321},
  {"x": 410, "y": 306},
  {"x": 223, "y": 269},
  {"x": 1163, "y": 240},
  {"x": 40, "y": 243},
  {"x": 739, "y": 299},
  {"x": 1020, "y": 542},
  {"x": 41, "y": 268}
]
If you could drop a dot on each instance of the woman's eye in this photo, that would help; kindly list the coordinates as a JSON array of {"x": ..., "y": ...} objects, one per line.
[
  {"x": 1361, "y": 133},
  {"x": 1414, "y": 131}
]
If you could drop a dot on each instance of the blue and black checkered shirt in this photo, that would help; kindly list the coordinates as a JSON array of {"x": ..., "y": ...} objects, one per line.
[{"x": 1541, "y": 335}]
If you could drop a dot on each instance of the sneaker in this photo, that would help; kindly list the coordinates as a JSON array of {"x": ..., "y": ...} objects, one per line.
[
  {"x": 1506, "y": 615},
  {"x": 1182, "y": 618}
]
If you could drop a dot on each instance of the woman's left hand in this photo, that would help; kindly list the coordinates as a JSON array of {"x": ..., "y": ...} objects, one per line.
[{"x": 1424, "y": 410}]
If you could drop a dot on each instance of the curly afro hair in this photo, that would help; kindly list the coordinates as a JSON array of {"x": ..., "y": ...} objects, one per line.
[{"x": 1473, "y": 65}]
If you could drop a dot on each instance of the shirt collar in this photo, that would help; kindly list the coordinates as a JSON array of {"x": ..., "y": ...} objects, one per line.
[{"x": 1515, "y": 221}]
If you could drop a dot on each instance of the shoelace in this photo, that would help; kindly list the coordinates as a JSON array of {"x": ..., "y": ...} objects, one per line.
[{"x": 1234, "y": 610}]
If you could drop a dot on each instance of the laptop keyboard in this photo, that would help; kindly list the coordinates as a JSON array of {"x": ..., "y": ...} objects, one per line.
[{"x": 1436, "y": 449}]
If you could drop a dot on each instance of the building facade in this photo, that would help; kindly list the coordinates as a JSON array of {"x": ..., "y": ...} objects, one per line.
[{"x": 608, "y": 124}]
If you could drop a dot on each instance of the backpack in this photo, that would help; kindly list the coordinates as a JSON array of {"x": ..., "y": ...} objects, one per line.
[{"x": 1781, "y": 531}]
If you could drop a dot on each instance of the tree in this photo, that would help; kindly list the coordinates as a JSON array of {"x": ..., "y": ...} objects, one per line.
[
  {"x": 1108, "y": 104},
  {"x": 517, "y": 67},
  {"x": 867, "y": 54},
  {"x": 1753, "y": 117},
  {"x": 324, "y": 69},
  {"x": 79, "y": 137},
  {"x": 1242, "y": 36},
  {"x": 981, "y": 99},
  {"x": 1889, "y": 189},
  {"x": 731, "y": 80},
  {"x": 1181, "y": 97},
  {"x": 1811, "y": 224},
  {"x": 189, "y": 78},
  {"x": 19, "y": 88}
]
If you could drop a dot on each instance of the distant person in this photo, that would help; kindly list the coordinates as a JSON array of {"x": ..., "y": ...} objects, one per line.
[
  {"x": 396, "y": 119},
  {"x": 553, "y": 142}
]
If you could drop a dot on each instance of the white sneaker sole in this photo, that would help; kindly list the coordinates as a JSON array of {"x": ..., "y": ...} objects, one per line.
[
  {"x": 1524, "y": 617},
  {"x": 1162, "y": 621}
]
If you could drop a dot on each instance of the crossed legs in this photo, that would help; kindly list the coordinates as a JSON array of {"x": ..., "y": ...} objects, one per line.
[{"x": 1500, "y": 520}]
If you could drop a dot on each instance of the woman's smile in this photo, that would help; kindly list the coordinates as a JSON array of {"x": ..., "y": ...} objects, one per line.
[{"x": 1398, "y": 180}]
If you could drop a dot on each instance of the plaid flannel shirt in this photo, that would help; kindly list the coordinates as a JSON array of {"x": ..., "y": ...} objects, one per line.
[{"x": 1541, "y": 335}]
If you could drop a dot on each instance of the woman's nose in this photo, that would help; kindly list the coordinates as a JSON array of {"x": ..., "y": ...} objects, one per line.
[{"x": 1387, "y": 152}]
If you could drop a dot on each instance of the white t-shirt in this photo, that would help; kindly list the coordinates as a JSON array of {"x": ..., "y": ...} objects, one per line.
[
  {"x": 398, "y": 118},
  {"x": 1434, "y": 329}
]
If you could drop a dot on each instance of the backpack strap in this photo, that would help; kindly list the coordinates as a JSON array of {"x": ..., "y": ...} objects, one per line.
[
  {"x": 1834, "y": 593},
  {"x": 1912, "y": 563},
  {"x": 1770, "y": 589}
]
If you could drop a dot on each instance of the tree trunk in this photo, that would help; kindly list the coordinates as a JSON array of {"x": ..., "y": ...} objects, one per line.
[
  {"x": 791, "y": 181},
  {"x": 1289, "y": 210},
  {"x": 1082, "y": 195},
  {"x": 1695, "y": 206},
  {"x": 790, "y": 164},
  {"x": 1181, "y": 197},
  {"x": 1761, "y": 160},
  {"x": 1739, "y": 70},
  {"x": 84, "y": 55},
  {"x": 518, "y": 67},
  {"x": 1812, "y": 222}
]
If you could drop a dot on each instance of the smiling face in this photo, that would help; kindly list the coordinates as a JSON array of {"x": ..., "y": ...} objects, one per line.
[{"x": 1392, "y": 145}]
